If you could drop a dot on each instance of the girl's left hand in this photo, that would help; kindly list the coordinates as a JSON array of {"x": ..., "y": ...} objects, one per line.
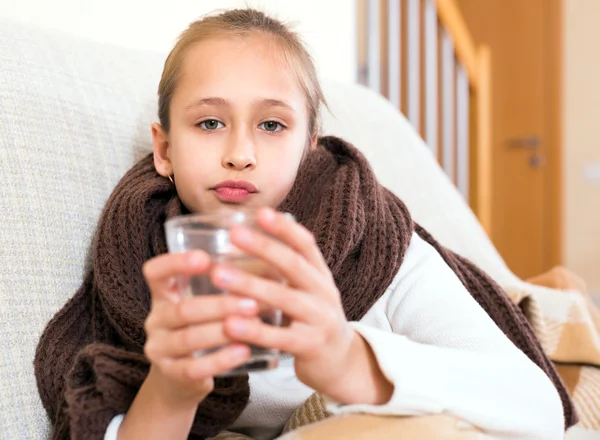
[{"x": 319, "y": 335}]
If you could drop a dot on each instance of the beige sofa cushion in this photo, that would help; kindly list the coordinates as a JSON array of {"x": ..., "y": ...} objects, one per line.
[{"x": 73, "y": 118}]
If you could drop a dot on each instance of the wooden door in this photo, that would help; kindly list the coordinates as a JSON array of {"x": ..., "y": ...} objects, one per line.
[{"x": 524, "y": 36}]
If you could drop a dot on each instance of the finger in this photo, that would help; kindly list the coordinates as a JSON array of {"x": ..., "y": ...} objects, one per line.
[
  {"x": 186, "y": 341},
  {"x": 293, "y": 303},
  {"x": 160, "y": 271},
  {"x": 209, "y": 365},
  {"x": 197, "y": 310},
  {"x": 295, "y": 340},
  {"x": 286, "y": 229},
  {"x": 293, "y": 266}
]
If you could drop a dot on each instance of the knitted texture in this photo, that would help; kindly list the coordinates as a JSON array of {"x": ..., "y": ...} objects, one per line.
[
  {"x": 311, "y": 411},
  {"x": 89, "y": 362}
]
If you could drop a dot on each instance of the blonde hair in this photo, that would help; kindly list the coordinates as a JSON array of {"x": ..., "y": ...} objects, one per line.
[{"x": 241, "y": 22}]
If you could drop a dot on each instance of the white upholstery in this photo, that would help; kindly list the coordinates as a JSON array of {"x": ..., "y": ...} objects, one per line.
[{"x": 74, "y": 116}]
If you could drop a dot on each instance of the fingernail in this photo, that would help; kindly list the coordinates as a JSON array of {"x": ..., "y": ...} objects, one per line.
[
  {"x": 268, "y": 215},
  {"x": 247, "y": 304},
  {"x": 243, "y": 235},
  {"x": 240, "y": 352},
  {"x": 290, "y": 216},
  {"x": 174, "y": 297},
  {"x": 173, "y": 285},
  {"x": 238, "y": 326},
  {"x": 224, "y": 275},
  {"x": 196, "y": 258}
]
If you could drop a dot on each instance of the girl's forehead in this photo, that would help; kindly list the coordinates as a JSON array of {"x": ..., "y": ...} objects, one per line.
[{"x": 240, "y": 65}]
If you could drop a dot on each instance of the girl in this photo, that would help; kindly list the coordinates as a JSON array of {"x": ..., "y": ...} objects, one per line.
[{"x": 380, "y": 318}]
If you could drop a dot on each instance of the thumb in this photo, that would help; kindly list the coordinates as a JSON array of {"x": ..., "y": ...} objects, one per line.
[
  {"x": 174, "y": 289},
  {"x": 166, "y": 274}
]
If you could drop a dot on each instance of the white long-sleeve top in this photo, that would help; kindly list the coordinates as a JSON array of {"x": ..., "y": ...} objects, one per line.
[{"x": 442, "y": 353}]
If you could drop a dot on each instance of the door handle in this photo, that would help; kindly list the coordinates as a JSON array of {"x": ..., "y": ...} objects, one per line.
[
  {"x": 529, "y": 142},
  {"x": 537, "y": 160}
]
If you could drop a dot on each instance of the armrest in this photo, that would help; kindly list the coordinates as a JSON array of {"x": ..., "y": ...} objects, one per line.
[{"x": 561, "y": 278}]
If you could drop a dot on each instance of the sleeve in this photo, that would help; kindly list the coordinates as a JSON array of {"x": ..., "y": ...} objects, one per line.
[
  {"x": 113, "y": 427},
  {"x": 446, "y": 355}
]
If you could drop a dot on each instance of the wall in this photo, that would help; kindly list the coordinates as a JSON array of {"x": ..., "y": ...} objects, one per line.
[
  {"x": 582, "y": 139},
  {"x": 328, "y": 27}
]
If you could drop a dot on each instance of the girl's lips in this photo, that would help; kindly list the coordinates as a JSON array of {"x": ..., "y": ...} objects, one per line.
[
  {"x": 234, "y": 191},
  {"x": 233, "y": 195}
]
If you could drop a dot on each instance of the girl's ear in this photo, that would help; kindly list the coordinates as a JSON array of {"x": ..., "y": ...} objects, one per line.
[
  {"x": 160, "y": 145},
  {"x": 313, "y": 142}
]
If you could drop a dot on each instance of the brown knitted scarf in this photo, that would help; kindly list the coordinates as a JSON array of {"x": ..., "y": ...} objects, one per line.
[{"x": 89, "y": 362}]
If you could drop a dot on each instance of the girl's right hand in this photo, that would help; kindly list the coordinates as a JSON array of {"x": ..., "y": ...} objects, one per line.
[{"x": 177, "y": 326}]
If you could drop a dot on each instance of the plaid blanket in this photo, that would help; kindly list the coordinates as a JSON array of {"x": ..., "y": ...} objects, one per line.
[{"x": 567, "y": 323}]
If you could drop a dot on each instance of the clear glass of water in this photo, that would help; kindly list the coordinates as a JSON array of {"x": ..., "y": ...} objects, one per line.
[{"x": 211, "y": 233}]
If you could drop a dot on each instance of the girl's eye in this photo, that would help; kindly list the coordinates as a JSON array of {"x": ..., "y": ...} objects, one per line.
[
  {"x": 271, "y": 126},
  {"x": 210, "y": 124}
]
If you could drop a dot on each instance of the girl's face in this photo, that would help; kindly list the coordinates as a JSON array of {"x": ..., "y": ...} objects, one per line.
[{"x": 239, "y": 126}]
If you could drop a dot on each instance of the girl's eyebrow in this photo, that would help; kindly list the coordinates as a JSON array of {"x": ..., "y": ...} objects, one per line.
[
  {"x": 221, "y": 102},
  {"x": 212, "y": 101},
  {"x": 277, "y": 103}
]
